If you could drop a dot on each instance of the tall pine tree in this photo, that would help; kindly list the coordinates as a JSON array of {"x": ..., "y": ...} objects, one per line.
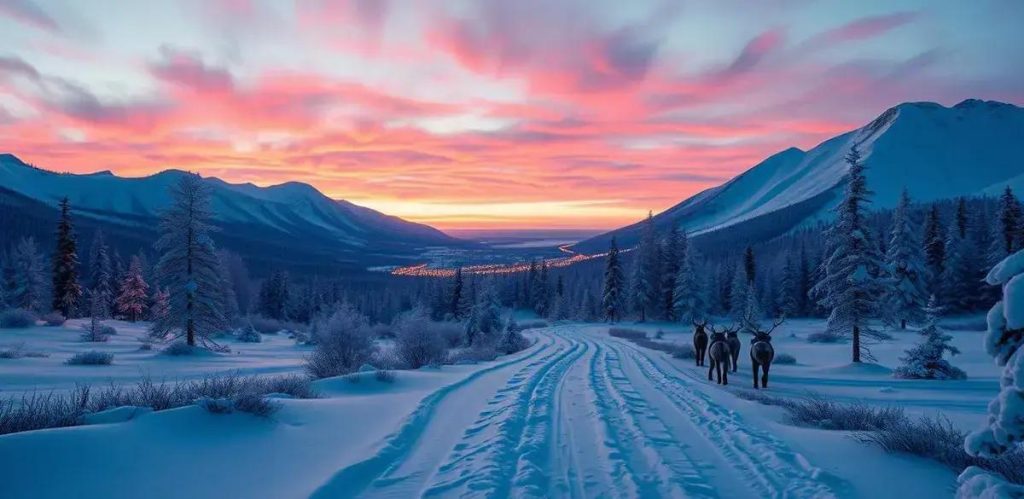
[
  {"x": 904, "y": 265},
  {"x": 189, "y": 265},
  {"x": 612, "y": 298},
  {"x": 851, "y": 287},
  {"x": 134, "y": 292},
  {"x": 67, "y": 292}
]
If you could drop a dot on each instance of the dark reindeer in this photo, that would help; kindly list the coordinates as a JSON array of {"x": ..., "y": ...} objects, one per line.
[
  {"x": 732, "y": 338},
  {"x": 700, "y": 340},
  {"x": 719, "y": 355},
  {"x": 761, "y": 351}
]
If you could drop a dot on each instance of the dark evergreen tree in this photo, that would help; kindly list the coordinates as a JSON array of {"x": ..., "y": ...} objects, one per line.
[
  {"x": 612, "y": 297},
  {"x": 934, "y": 250},
  {"x": 749, "y": 265},
  {"x": 67, "y": 291}
]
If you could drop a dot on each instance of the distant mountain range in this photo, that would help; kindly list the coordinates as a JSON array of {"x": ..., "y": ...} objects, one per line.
[
  {"x": 290, "y": 223},
  {"x": 972, "y": 148}
]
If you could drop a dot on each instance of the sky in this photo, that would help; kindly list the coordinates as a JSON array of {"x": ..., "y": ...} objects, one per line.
[{"x": 480, "y": 114}]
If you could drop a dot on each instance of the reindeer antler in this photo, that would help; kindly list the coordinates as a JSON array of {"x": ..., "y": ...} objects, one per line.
[{"x": 776, "y": 323}]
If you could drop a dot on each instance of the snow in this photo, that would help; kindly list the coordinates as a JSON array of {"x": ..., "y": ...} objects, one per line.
[{"x": 578, "y": 414}]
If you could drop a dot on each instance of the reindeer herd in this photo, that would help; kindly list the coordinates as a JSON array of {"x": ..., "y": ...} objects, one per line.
[{"x": 723, "y": 350}]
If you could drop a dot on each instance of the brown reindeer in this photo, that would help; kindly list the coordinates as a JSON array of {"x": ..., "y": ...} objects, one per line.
[
  {"x": 700, "y": 340},
  {"x": 719, "y": 355},
  {"x": 762, "y": 353},
  {"x": 732, "y": 338}
]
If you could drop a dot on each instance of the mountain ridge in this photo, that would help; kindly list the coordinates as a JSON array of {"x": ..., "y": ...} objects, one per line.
[{"x": 937, "y": 152}]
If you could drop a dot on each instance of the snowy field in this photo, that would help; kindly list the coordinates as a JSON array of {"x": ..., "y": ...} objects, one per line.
[{"x": 579, "y": 414}]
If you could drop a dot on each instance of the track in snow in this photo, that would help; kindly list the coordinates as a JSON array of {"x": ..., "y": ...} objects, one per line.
[{"x": 578, "y": 415}]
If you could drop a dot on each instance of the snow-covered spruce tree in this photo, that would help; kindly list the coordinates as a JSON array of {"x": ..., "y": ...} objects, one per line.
[
  {"x": 342, "y": 342},
  {"x": 467, "y": 299},
  {"x": 455, "y": 296},
  {"x": 274, "y": 296},
  {"x": 134, "y": 292},
  {"x": 904, "y": 265},
  {"x": 512, "y": 339},
  {"x": 100, "y": 273},
  {"x": 690, "y": 303},
  {"x": 850, "y": 287},
  {"x": 964, "y": 274},
  {"x": 752, "y": 311},
  {"x": 1011, "y": 221},
  {"x": 738, "y": 294},
  {"x": 92, "y": 331},
  {"x": 925, "y": 360},
  {"x": 646, "y": 282},
  {"x": 1004, "y": 430},
  {"x": 672, "y": 252},
  {"x": 29, "y": 281},
  {"x": 67, "y": 292},
  {"x": 227, "y": 288},
  {"x": 188, "y": 265},
  {"x": 934, "y": 250},
  {"x": 612, "y": 296},
  {"x": 636, "y": 294},
  {"x": 749, "y": 264},
  {"x": 541, "y": 291},
  {"x": 485, "y": 319}
]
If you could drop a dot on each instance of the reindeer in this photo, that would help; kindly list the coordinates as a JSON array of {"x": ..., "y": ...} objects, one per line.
[
  {"x": 733, "y": 340},
  {"x": 761, "y": 351},
  {"x": 720, "y": 355},
  {"x": 700, "y": 340}
]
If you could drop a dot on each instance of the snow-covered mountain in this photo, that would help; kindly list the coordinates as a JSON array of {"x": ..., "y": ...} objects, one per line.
[
  {"x": 936, "y": 152},
  {"x": 292, "y": 212}
]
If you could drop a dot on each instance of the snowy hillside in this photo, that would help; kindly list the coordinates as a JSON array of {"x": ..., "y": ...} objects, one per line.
[
  {"x": 280, "y": 212},
  {"x": 934, "y": 151}
]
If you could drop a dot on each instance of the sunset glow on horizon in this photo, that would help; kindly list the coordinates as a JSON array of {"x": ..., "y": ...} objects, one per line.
[{"x": 480, "y": 115}]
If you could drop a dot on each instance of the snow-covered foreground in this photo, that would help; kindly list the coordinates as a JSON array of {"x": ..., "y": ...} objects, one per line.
[{"x": 579, "y": 414}]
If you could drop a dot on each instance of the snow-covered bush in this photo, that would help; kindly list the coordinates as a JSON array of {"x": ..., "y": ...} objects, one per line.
[
  {"x": 512, "y": 340},
  {"x": 91, "y": 358},
  {"x": 1004, "y": 430},
  {"x": 480, "y": 352},
  {"x": 249, "y": 334},
  {"x": 53, "y": 319},
  {"x": 452, "y": 333},
  {"x": 17, "y": 318},
  {"x": 925, "y": 360},
  {"x": 659, "y": 335},
  {"x": 252, "y": 403},
  {"x": 976, "y": 483},
  {"x": 18, "y": 351},
  {"x": 266, "y": 325},
  {"x": 37, "y": 410},
  {"x": 342, "y": 342},
  {"x": 784, "y": 359},
  {"x": 216, "y": 405},
  {"x": 939, "y": 440},
  {"x": 92, "y": 331},
  {"x": 417, "y": 342},
  {"x": 106, "y": 330},
  {"x": 822, "y": 413}
]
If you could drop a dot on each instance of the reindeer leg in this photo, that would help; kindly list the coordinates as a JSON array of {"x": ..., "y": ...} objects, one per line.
[
  {"x": 764, "y": 378},
  {"x": 753, "y": 365},
  {"x": 711, "y": 369},
  {"x": 725, "y": 374}
]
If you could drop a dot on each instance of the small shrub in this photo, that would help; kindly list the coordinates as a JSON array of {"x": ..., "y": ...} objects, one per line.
[
  {"x": 15, "y": 351},
  {"x": 659, "y": 335},
  {"x": 249, "y": 335},
  {"x": 784, "y": 359},
  {"x": 417, "y": 342},
  {"x": 938, "y": 439},
  {"x": 146, "y": 346},
  {"x": 255, "y": 404},
  {"x": 821, "y": 413},
  {"x": 626, "y": 333},
  {"x": 91, "y": 358},
  {"x": 387, "y": 359},
  {"x": 384, "y": 375},
  {"x": 53, "y": 319},
  {"x": 452, "y": 333},
  {"x": 342, "y": 342},
  {"x": 216, "y": 405},
  {"x": 106, "y": 330},
  {"x": 825, "y": 337},
  {"x": 17, "y": 318}
]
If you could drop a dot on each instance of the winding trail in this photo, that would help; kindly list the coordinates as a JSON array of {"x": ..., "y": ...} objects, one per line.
[{"x": 580, "y": 414}]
